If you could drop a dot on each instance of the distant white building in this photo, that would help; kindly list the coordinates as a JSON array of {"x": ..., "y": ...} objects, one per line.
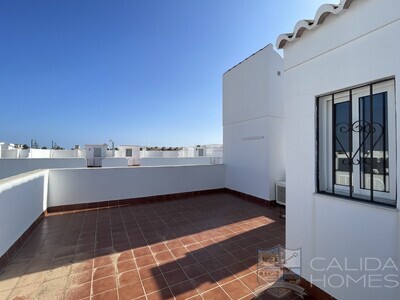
[
  {"x": 95, "y": 153},
  {"x": 131, "y": 153},
  {"x": 211, "y": 150}
]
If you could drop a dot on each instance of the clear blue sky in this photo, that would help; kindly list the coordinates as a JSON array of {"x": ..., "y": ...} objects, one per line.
[{"x": 145, "y": 72}]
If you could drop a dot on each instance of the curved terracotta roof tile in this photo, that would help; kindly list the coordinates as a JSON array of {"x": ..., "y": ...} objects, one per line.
[{"x": 301, "y": 26}]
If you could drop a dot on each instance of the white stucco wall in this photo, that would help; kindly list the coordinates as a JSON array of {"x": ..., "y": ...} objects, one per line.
[
  {"x": 40, "y": 153},
  {"x": 253, "y": 120},
  {"x": 66, "y": 153},
  {"x": 114, "y": 162},
  {"x": 148, "y": 161},
  {"x": 161, "y": 153},
  {"x": 347, "y": 50},
  {"x": 213, "y": 152},
  {"x": 9, "y": 153},
  {"x": 14, "y": 166},
  {"x": 22, "y": 200},
  {"x": 72, "y": 186}
]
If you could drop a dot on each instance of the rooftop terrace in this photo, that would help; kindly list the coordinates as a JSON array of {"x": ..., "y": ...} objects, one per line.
[{"x": 201, "y": 247}]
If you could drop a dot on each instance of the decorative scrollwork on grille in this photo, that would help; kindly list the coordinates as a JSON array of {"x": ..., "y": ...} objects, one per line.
[{"x": 364, "y": 129}]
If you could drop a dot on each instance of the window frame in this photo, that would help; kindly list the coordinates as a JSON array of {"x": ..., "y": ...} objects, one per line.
[
  {"x": 326, "y": 160},
  {"x": 97, "y": 150},
  {"x": 130, "y": 151}
]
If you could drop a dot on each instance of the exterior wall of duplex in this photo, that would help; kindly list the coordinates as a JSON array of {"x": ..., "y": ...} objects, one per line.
[
  {"x": 359, "y": 46},
  {"x": 253, "y": 121}
]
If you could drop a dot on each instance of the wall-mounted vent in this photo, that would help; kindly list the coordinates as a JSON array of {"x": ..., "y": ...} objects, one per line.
[{"x": 280, "y": 192}]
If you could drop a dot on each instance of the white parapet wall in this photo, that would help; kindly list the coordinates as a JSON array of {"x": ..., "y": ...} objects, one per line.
[
  {"x": 181, "y": 161},
  {"x": 114, "y": 162},
  {"x": 74, "y": 186},
  {"x": 23, "y": 198},
  {"x": 14, "y": 166}
]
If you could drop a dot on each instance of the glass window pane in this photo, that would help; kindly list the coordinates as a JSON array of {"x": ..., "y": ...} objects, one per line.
[
  {"x": 342, "y": 143},
  {"x": 97, "y": 152},
  {"x": 375, "y": 161}
]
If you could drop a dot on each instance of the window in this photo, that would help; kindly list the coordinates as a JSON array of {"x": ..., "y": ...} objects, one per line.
[
  {"x": 128, "y": 152},
  {"x": 97, "y": 152},
  {"x": 357, "y": 143}
]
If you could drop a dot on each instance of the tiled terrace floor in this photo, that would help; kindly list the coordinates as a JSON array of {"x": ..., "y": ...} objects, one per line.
[{"x": 202, "y": 247}]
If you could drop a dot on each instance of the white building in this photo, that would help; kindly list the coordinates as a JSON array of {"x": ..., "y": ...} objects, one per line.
[
  {"x": 253, "y": 120},
  {"x": 95, "y": 153},
  {"x": 211, "y": 150},
  {"x": 131, "y": 153},
  {"x": 333, "y": 65}
]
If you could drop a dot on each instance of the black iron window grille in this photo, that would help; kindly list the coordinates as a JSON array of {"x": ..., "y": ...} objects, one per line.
[{"x": 357, "y": 143}]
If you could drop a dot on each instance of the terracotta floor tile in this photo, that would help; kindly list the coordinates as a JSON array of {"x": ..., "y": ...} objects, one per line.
[
  {"x": 153, "y": 284},
  {"x": 102, "y": 261},
  {"x": 139, "y": 252},
  {"x": 131, "y": 291},
  {"x": 169, "y": 266},
  {"x": 160, "y": 295},
  {"x": 173, "y": 244},
  {"x": 238, "y": 269},
  {"x": 179, "y": 252},
  {"x": 127, "y": 265},
  {"x": 82, "y": 266},
  {"x": 187, "y": 241},
  {"x": 216, "y": 293},
  {"x": 129, "y": 277},
  {"x": 194, "y": 247},
  {"x": 251, "y": 281},
  {"x": 103, "y": 272},
  {"x": 175, "y": 277},
  {"x": 212, "y": 264},
  {"x": 164, "y": 256},
  {"x": 204, "y": 283},
  {"x": 146, "y": 244},
  {"x": 109, "y": 295},
  {"x": 104, "y": 284},
  {"x": 80, "y": 278},
  {"x": 187, "y": 260},
  {"x": 149, "y": 271},
  {"x": 222, "y": 276},
  {"x": 202, "y": 255},
  {"x": 145, "y": 261},
  {"x": 194, "y": 270},
  {"x": 227, "y": 259},
  {"x": 236, "y": 289},
  {"x": 125, "y": 255},
  {"x": 158, "y": 248},
  {"x": 183, "y": 290}
]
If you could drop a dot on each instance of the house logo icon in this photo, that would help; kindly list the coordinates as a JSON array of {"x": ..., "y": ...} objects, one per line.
[{"x": 278, "y": 272}]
